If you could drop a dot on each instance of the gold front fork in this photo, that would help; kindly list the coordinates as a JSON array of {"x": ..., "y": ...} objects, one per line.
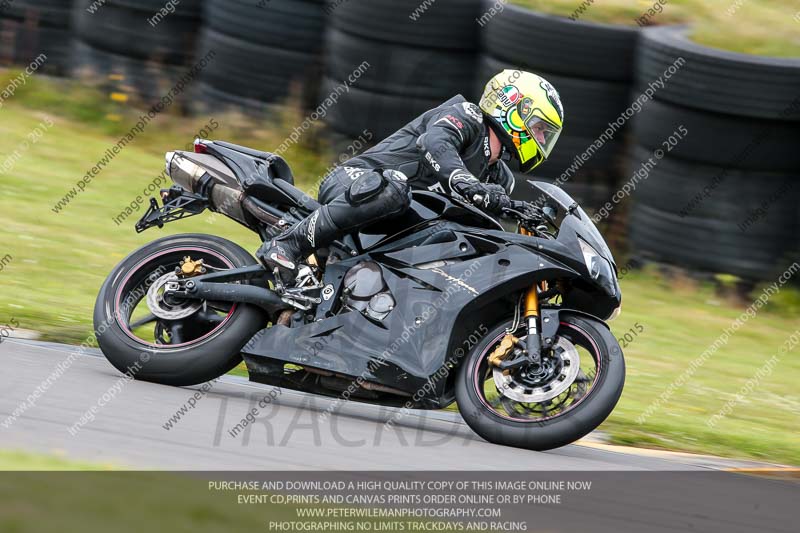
[
  {"x": 532, "y": 317},
  {"x": 532, "y": 297},
  {"x": 532, "y": 302}
]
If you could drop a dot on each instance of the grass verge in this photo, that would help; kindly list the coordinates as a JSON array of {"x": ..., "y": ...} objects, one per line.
[
  {"x": 761, "y": 27},
  {"x": 17, "y": 461}
]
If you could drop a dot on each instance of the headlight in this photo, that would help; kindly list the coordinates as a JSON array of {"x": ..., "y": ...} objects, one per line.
[
  {"x": 592, "y": 259},
  {"x": 599, "y": 268}
]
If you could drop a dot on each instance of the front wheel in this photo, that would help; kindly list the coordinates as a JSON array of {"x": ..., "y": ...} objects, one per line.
[
  {"x": 573, "y": 391},
  {"x": 147, "y": 336}
]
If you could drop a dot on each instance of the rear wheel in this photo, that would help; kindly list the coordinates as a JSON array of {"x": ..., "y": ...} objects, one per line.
[
  {"x": 173, "y": 342},
  {"x": 569, "y": 395}
]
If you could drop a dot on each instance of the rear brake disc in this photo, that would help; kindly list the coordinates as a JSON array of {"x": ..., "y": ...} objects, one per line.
[{"x": 162, "y": 309}]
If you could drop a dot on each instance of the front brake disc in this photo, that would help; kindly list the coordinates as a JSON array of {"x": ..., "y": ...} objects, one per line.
[{"x": 511, "y": 388}]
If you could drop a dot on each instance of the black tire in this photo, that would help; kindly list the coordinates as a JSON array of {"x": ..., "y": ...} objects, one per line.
[
  {"x": 52, "y": 13},
  {"x": 563, "y": 429},
  {"x": 717, "y": 80},
  {"x": 292, "y": 24},
  {"x": 382, "y": 114},
  {"x": 398, "y": 68},
  {"x": 144, "y": 81},
  {"x": 673, "y": 184},
  {"x": 124, "y": 30},
  {"x": 446, "y": 24},
  {"x": 28, "y": 44},
  {"x": 201, "y": 360},
  {"x": 185, "y": 8},
  {"x": 712, "y": 245},
  {"x": 208, "y": 99},
  {"x": 571, "y": 48},
  {"x": 254, "y": 71},
  {"x": 717, "y": 139}
]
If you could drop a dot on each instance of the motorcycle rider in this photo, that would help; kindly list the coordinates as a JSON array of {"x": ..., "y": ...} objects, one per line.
[{"x": 457, "y": 148}]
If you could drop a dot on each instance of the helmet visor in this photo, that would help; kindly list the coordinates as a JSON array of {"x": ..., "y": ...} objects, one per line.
[{"x": 543, "y": 133}]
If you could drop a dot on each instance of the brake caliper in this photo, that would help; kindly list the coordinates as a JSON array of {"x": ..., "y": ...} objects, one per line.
[
  {"x": 503, "y": 350},
  {"x": 190, "y": 268}
]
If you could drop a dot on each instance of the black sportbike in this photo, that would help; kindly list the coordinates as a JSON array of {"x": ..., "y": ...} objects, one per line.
[{"x": 438, "y": 305}]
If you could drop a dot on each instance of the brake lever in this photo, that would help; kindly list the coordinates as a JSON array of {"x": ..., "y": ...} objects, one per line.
[{"x": 513, "y": 213}]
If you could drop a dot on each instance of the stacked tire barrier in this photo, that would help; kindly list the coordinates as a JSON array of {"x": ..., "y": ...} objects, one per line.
[
  {"x": 31, "y": 29},
  {"x": 266, "y": 52},
  {"x": 136, "y": 47},
  {"x": 719, "y": 142},
  {"x": 725, "y": 198},
  {"x": 591, "y": 65},
  {"x": 389, "y": 61}
]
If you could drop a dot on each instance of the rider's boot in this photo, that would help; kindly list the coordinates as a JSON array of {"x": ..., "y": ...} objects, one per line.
[
  {"x": 371, "y": 198},
  {"x": 290, "y": 248}
]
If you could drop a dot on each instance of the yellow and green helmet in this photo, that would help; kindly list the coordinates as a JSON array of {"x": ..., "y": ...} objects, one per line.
[{"x": 525, "y": 111}]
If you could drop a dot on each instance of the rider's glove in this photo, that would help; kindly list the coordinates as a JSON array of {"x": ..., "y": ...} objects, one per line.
[{"x": 488, "y": 196}]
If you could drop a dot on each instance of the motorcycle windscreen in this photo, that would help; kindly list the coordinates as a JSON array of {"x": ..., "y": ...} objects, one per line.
[{"x": 580, "y": 220}]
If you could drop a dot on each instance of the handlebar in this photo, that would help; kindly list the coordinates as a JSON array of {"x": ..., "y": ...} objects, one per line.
[
  {"x": 518, "y": 209},
  {"x": 523, "y": 211}
]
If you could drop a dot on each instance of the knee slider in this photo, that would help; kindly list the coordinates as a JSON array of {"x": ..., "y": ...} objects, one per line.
[{"x": 365, "y": 188}]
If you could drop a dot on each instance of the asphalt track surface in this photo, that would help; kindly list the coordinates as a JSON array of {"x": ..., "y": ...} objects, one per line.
[
  {"x": 634, "y": 490},
  {"x": 128, "y": 430}
]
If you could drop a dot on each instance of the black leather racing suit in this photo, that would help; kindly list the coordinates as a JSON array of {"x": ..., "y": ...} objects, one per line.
[
  {"x": 447, "y": 142},
  {"x": 445, "y": 149}
]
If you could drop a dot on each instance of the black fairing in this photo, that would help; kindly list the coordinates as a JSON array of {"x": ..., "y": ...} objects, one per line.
[
  {"x": 450, "y": 268},
  {"x": 263, "y": 175}
]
